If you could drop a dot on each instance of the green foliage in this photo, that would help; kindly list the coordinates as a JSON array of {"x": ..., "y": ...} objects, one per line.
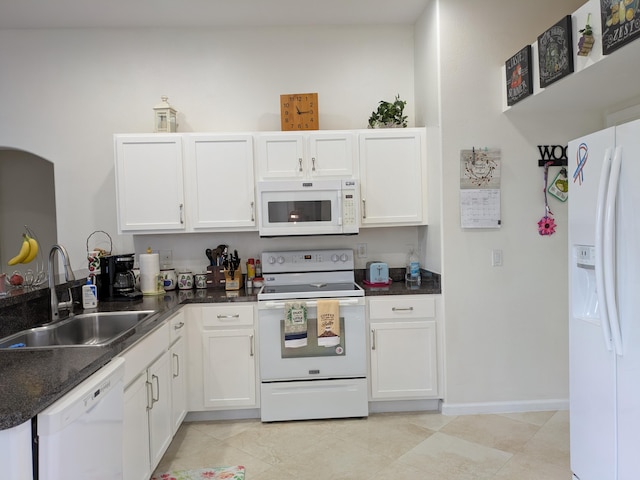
[{"x": 389, "y": 114}]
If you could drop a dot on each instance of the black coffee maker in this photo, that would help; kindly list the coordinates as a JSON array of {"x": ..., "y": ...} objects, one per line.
[{"x": 116, "y": 280}]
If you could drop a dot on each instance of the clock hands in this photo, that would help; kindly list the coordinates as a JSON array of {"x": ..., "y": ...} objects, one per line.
[{"x": 301, "y": 113}]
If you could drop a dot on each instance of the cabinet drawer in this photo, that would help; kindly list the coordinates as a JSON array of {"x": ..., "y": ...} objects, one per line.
[
  {"x": 176, "y": 326},
  {"x": 141, "y": 355},
  {"x": 227, "y": 316},
  {"x": 402, "y": 307}
]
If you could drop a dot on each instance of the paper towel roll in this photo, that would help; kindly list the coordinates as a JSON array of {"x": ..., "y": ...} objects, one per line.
[{"x": 149, "y": 271}]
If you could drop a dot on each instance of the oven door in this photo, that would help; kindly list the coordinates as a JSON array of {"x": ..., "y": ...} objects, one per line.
[
  {"x": 287, "y": 357},
  {"x": 300, "y": 207}
]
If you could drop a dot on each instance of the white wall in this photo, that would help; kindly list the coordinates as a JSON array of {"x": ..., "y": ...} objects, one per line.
[
  {"x": 506, "y": 327},
  {"x": 66, "y": 92},
  {"x": 27, "y": 197}
]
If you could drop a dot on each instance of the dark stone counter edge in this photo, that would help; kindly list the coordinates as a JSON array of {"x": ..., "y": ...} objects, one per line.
[{"x": 31, "y": 380}]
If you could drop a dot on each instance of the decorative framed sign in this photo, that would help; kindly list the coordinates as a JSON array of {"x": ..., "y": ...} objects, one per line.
[
  {"x": 519, "y": 76},
  {"x": 555, "y": 52},
  {"x": 620, "y": 23}
]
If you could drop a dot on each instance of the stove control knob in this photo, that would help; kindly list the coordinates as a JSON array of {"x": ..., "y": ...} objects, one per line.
[
  {"x": 280, "y": 260},
  {"x": 271, "y": 260},
  {"x": 334, "y": 258},
  {"x": 344, "y": 257}
]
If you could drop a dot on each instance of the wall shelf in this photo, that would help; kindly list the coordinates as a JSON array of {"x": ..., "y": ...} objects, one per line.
[{"x": 598, "y": 82}]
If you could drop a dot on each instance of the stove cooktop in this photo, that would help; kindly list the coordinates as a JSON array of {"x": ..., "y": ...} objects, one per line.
[{"x": 310, "y": 290}]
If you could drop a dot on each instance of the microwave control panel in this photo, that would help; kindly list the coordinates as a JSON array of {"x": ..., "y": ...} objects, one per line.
[{"x": 349, "y": 204}]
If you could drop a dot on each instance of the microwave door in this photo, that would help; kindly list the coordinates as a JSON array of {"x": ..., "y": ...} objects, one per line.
[{"x": 300, "y": 213}]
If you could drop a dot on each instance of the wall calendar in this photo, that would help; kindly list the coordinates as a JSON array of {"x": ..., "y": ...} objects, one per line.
[{"x": 480, "y": 188}]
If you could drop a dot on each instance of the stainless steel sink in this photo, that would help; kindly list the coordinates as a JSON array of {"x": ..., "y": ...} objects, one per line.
[{"x": 98, "y": 329}]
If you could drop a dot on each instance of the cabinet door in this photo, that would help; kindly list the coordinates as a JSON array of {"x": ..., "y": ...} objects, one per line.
[
  {"x": 393, "y": 177},
  {"x": 280, "y": 156},
  {"x": 160, "y": 426},
  {"x": 178, "y": 354},
  {"x": 229, "y": 368},
  {"x": 403, "y": 360},
  {"x": 135, "y": 443},
  {"x": 149, "y": 188},
  {"x": 331, "y": 155},
  {"x": 221, "y": 182}
]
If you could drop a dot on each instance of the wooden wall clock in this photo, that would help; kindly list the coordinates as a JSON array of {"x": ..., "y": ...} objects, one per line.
[{"x": 299, "y": 111}]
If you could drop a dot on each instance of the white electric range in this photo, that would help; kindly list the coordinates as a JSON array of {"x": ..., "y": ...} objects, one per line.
[{"x": 308, "y": 378}]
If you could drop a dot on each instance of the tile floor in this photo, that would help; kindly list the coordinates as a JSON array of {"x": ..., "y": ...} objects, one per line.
[{"x": 417, "y": 446}]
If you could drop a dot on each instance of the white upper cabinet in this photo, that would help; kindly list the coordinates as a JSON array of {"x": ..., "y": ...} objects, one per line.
[
  {"x": 306, "y": 155},
  {"x": 393, "y": 177},
  {"x": 149, "y": 183},
  {"x": 220, "y": 182}
]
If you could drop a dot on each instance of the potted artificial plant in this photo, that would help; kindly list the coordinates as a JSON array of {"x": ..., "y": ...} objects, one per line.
[{"x": 389, "y": 115}]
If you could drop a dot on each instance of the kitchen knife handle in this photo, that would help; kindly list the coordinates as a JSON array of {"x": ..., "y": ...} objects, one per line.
[
  {"x": 253, "y": 216},
  {"x": 364, "y": 208},
  {"x": 313, "y": 164},
  {"x": 181, "y": 212},
  {"x": 300, "y": 164}
]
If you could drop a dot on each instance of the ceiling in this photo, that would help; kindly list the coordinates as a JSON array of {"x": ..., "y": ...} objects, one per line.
[{"x": 205, "y": 13}]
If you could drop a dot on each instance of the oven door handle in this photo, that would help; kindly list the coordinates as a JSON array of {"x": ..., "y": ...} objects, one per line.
[{"x": 310, "y": 303}]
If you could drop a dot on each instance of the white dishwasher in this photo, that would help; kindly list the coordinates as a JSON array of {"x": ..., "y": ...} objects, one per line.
[{"x": 80, "y": 435}]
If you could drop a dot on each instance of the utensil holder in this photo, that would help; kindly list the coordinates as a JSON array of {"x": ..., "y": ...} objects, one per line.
[{"x": 233, "y": 281}]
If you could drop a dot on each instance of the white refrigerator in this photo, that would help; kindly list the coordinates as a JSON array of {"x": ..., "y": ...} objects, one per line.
[{"x": 604, "y": 304}]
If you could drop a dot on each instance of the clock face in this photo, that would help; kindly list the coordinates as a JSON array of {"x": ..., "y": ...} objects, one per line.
[{"x": 299, "y": 111}]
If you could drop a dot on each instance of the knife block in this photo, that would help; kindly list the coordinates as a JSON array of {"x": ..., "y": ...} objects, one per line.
[{"x": 233, "y": 281}]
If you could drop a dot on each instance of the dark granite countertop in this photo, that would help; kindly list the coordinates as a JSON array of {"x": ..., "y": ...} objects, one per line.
[{"x": 31, "y": 380}]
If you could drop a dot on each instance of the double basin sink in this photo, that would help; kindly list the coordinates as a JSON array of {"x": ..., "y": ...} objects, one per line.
[{"x": 88, "y": 329}]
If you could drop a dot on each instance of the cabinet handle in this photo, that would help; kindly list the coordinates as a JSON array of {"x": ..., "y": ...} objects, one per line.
[
  {"x": 177, "y": 364},
  {"x": 149, "y": 394},
  {"x": 223, "y": 317},
  {"x": 178, "y": 326},
  {"x": 373, "y": 339},
  {"x": 251, "y": 345},
  {"x": 313, "y": 164},
  {"x": 402, "y": 309},
  {"x": 181, "y": 214},
  {"x": 300, "y": 164},
  {"x": 154, "y": 399},
  {"x": 364, "y": 208},
  {"x": 253, "y": 216}
]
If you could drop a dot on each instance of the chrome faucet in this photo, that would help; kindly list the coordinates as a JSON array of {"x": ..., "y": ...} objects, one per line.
[{"x": 68, "y": 276}]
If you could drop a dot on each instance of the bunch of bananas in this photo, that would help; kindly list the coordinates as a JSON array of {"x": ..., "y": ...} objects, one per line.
[{"x": 28, "y": 250}]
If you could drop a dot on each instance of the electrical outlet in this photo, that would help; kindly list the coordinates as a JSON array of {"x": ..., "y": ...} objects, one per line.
[
  {"x": 496, "y": 258},
  {"x": 361, "y": 249}
]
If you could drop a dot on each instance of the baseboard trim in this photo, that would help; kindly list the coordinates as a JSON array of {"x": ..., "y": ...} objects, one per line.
[
  {"x": 404, "y": 406},
  {"x": 211, "y": 415},
  {"x": 504, "y": 407}
]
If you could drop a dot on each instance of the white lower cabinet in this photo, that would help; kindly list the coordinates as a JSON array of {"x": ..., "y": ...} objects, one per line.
[
  {"x": 154, "y": 397},
  {"x": 222, "y": 357},
  {"x": 404, "y": 360}
]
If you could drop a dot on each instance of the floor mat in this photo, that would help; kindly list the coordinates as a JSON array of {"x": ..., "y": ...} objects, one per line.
[{"x": 216, "y": 473}]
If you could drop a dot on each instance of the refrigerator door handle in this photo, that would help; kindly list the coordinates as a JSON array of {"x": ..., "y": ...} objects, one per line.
[
  {"x": 600, "y": 286},
  {"x": 609, "y": 250}
]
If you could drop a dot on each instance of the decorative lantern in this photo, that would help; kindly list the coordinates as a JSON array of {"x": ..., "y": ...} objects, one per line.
[{"x": 165, "y": 117}]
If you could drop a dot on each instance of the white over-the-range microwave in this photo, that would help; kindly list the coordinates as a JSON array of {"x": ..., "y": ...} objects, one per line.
[{"x": 308, "y": 207}]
